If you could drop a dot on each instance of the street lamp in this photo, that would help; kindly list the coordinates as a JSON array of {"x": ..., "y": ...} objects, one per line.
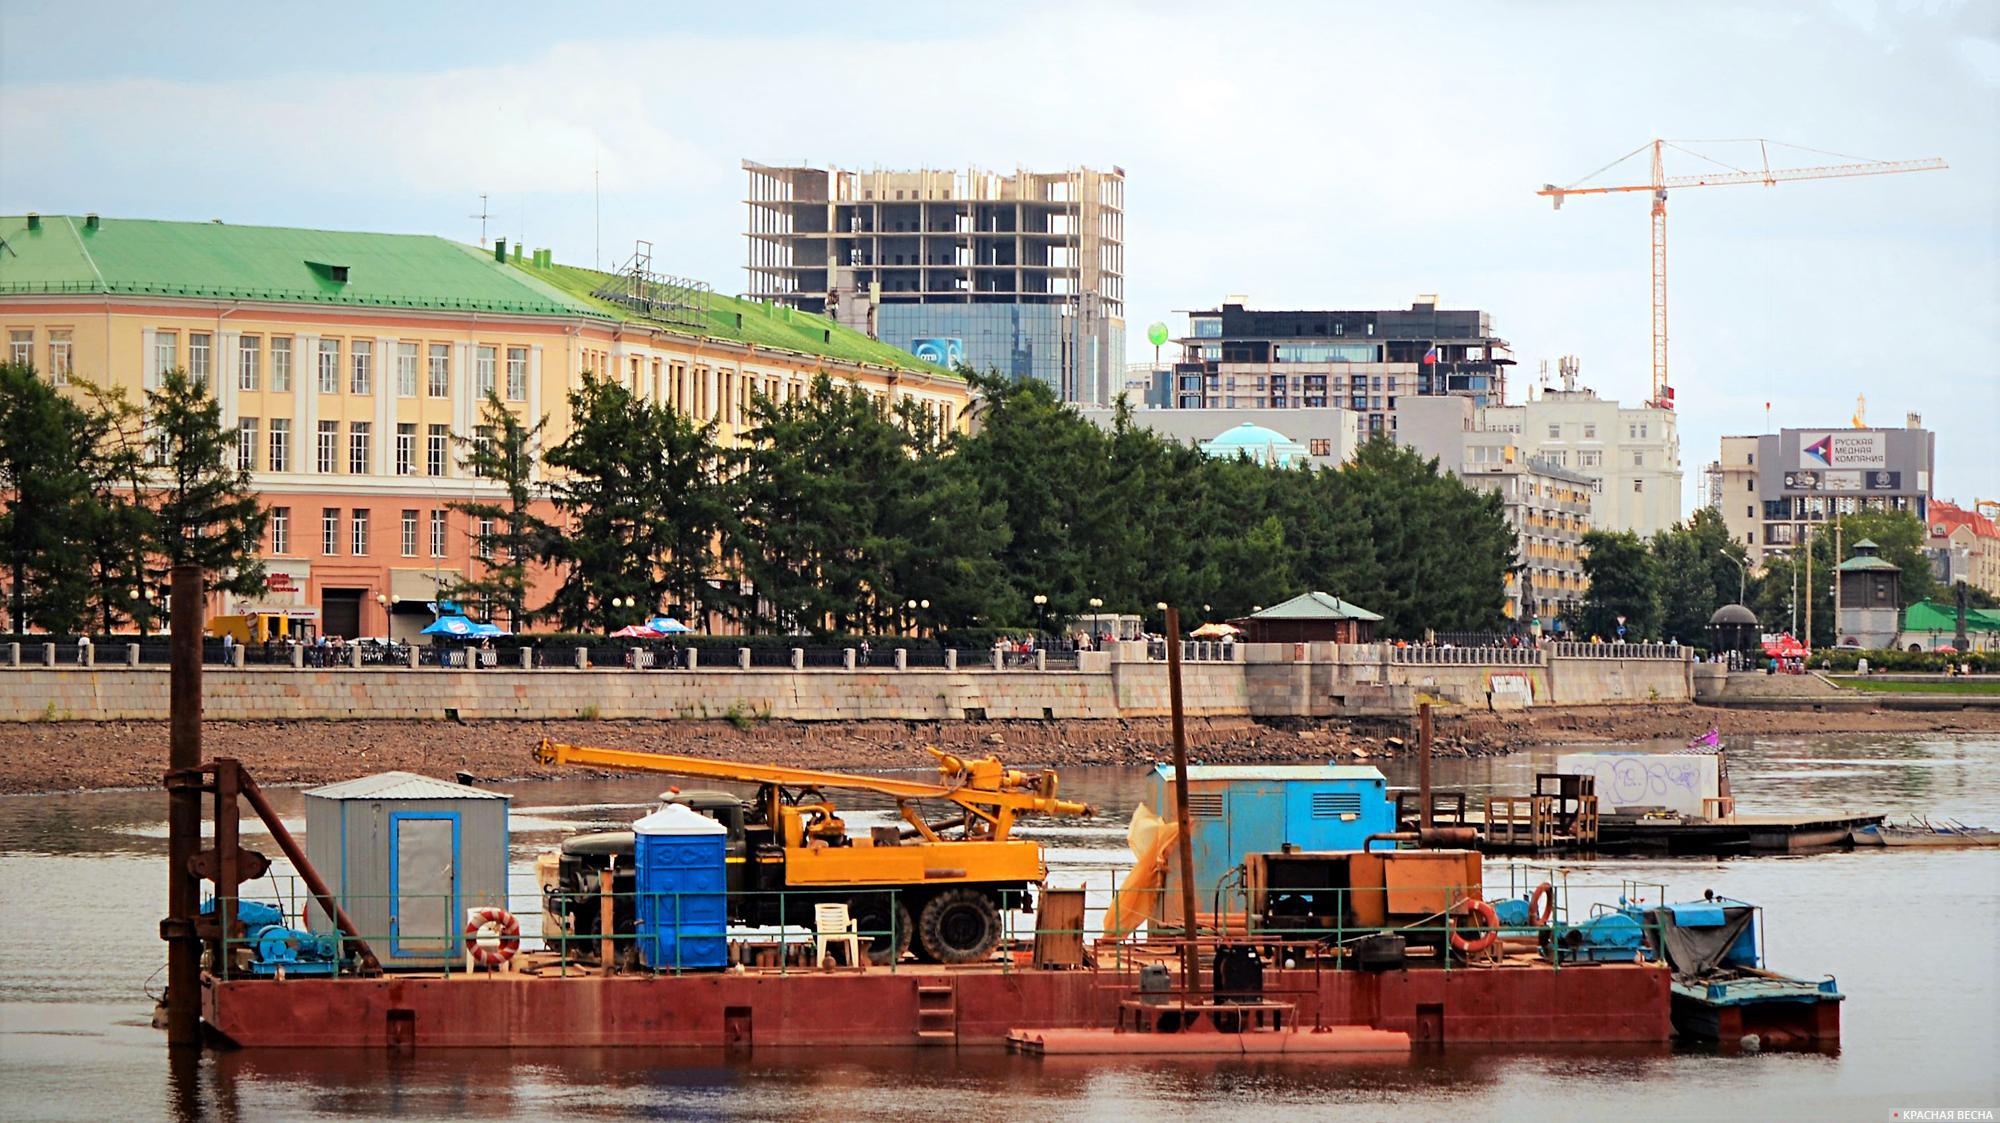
[
  {"x": 1742, "y": 573},
  {"x": 1096, "y": 617},
  {"x": 1041, "y": 603}
]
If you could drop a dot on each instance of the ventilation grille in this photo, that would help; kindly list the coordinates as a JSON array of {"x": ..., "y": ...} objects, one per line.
[
  {"x": 1205, "y": 805},
  {"x": 1333, "y": 805}
]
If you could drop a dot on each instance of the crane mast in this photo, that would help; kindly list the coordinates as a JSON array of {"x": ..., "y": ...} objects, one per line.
[{"x": 1659, "y": 183}]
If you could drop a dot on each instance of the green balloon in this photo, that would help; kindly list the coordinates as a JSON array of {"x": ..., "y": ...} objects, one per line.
[{"x": 1157, "y": 334}]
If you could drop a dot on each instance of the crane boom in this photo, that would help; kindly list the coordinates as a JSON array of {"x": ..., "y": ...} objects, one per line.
[
  {"x": 1660, "y": 183},
  {"x": 982, "y": 784}
]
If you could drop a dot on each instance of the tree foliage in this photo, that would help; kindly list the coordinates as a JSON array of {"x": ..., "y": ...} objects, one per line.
[
  {"x": 506, "y": 454},
  {"x": 205, "y": 508}
]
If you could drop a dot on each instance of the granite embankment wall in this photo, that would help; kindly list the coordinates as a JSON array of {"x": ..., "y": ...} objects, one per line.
[
  {"x": 121, "y": 693},
  {"x": 1278, "y": 680}
]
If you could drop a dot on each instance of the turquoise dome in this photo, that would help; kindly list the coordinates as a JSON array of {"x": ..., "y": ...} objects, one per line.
[{"x": 1265, "y": 446}]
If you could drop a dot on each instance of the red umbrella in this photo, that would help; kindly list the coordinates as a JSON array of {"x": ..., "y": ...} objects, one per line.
[
  {"x": 1785, "y": 647},
  {"x": 635, "y": 631}
]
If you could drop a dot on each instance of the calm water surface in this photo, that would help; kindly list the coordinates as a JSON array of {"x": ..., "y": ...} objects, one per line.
[{"x": 1910, "y": 936}]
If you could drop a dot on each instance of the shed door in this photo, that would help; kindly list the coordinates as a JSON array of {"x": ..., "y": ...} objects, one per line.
[{"x": 423, "y": 881}]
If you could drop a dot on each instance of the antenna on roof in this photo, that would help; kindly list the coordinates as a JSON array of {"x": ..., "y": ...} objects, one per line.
[{"x": 482, "y": 216}]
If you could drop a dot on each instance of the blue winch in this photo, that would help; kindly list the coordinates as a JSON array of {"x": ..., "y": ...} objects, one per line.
[
  {"x": 1611, "y": 936},
  {"x": 277, "y": 948}
]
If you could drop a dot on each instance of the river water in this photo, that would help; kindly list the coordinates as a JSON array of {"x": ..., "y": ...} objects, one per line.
[{"x": 1909, "y": 935}]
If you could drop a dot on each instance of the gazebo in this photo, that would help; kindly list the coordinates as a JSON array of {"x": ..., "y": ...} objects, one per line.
[
  {"x": 1310, "y": 617},
  {"x": 1734, "y": 628}
]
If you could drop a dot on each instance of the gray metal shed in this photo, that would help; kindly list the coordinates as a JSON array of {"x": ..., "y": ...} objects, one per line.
[{"x": 407, "y": 855}]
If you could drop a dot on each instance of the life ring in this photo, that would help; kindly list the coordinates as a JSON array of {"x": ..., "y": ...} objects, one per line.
[
  {"x": 1490, "y": 928},
  {"x": 1542, "y": 905},
  {"x": 492, "y": 936}
]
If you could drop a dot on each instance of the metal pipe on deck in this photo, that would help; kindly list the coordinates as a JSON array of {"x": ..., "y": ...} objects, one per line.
[
  {"x": 1183, "y": 834},
  {"x": 1424, "y": 766},
  {"x": 307, "y": 873},
  {"x": 183, "y": 783}
]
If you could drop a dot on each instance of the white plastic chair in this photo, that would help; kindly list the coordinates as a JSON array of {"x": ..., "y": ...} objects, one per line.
[{"x": 832, "y": 926}]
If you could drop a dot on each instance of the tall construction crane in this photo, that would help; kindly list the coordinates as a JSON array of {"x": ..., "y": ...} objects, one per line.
[{"x": 1661, "y": 183}]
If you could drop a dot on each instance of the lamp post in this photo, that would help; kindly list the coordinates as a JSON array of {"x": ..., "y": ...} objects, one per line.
[
  {"x": 1041, "y": 603},
  {"x": 1742, "y": 573},
  {"x": 383, "y": 600},
  {"x": 1096, "y": 617}
]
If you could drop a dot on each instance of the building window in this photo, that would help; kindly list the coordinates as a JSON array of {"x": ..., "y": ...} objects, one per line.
[
  {"x": 281, "y": 444},
  {"x": 198, "y": 357},
  {"x": 483, "y": 372},
  {"x": 329, "y": 443},
  {"x": 21, "y": 346},
  {"x": 246, "y": 444},
  {"x": 361, "y": 355},
  {"x": 409, "y": 534},
  {"x": 358, "y": 541},
  {"x": 1638, "y": 485},
  {"x": 329, "y": 366},
  {"x": 482, "y": 437},
  {"x": 406, "y": 370},
  {"x": 249, "y": 360},
  {"x": 357, "y": 448},
  {"x": 517, "y": 374},
  {"x": 59, "y": 356},
  {"x": 281, "y": 529},
  {"x": 1320, "y": 446},
  {"x": 1749, "y": 512},
  {"x": 436, "y": 441},
  {"x": 281, "y": 363},
  {"x": 485, "y": 544},
  {"x": 1555, "y": 432},
  {"x": 166, "y": 351},
  {"x": 438, "y": 539},
  {"x": 329, "y": 530},
  {"x": 440, "y": 370},
  {"x": 1638, "y": 458},
  {"x": 406, "y": 449},
  {"x": 1589, "y": 431}
]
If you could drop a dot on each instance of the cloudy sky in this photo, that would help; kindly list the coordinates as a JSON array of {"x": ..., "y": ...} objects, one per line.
[{"x": 1307, "y": 155}]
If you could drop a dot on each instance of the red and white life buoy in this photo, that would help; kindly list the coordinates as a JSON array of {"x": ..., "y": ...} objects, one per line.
[
  {"x": 1542, "y": 905},
  {"x": 1489, "y": 927},
  {"x": 492, "y": 936}
]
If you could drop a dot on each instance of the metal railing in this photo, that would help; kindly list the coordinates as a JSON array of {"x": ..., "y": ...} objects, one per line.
[
  {"x": 1425, "y": 655},
  {"x": 1570, "y": 649},
  {"x": 1328, "y": 939}
]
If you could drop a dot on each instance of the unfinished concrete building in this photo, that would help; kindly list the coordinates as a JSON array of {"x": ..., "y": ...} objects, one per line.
[{"x": 1020, "y": 273}]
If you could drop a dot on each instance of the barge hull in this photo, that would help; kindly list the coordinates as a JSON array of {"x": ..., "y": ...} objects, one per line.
[{"x": 1525, "y": 1004}]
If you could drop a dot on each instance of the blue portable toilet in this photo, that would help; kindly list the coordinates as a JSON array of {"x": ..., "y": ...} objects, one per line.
[
  {"x": 683, "y": 913},
  {"x": 1258, "y": 809}
]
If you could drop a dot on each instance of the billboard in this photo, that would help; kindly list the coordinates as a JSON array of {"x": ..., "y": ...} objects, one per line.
[
  {"x": 1801, "y": 481},
  {"x": 1885, "y": 481},
  {"x": 945, "y": 352},
  {"x": 1843, "y": 449},
  {"x": 1840, "y": 481}
]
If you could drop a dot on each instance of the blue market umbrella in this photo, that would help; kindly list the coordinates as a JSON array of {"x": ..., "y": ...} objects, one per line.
[
  {"x": 457, "y": 626},
  {"x": 667, "y": 625},
  {"x": 484, "y": 631}
]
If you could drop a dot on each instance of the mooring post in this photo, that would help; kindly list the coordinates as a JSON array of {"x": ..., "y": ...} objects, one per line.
[
  {"x": 1423, "y": 766},
  {"x": 183, "y": 782},
  {"x": 1183, "y": 834}
]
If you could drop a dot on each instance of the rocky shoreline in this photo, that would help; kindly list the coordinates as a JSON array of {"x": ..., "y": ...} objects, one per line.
[{"x": 84, "y": 756}]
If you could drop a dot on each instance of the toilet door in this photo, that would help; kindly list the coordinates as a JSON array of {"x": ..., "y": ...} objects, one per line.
[{"x": 423, "y": 883}]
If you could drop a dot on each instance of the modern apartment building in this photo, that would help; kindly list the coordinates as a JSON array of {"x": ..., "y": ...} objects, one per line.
[
  {"x": 1021, "y": 273},
  {"x": 1240, "y": 358},
  {"x": 1549, "y": 506},
  {"x": 353, "y": 366},
  {"x": 1774, "y": 487},
  {"x": 1634, "y": 452}
]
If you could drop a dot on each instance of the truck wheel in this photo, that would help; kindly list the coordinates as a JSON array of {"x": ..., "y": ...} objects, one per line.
[
  {"x": 960, "y": 926},
  {"x": 877, "y": 915}
]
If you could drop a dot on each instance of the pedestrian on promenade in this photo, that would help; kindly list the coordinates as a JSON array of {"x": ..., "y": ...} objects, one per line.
[{"x": 82, "y": 650}]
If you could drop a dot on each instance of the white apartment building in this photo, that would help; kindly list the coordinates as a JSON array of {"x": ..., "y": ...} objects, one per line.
[{"x": 1633, "y": 452}]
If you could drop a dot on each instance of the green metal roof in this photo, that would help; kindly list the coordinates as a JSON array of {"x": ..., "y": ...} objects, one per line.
[
  {"x": 137, "y": 257},
  {"x": 747, "y": 321},
  {"x": 212, "y": 260},
  {"x": 1315, "y": 606},
  {"x": 1929, "y": 616},
  {"x": 1867, "y": 562}
]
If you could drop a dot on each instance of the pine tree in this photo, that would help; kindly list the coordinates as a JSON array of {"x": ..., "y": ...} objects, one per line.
[
  {"x": 46, "y": 503},
  {"x": 504, "y": 452},
  {"x": 205, "y": 512},
  {"x": 642, "y": 504},
  {"x": 119, "y": 524}
]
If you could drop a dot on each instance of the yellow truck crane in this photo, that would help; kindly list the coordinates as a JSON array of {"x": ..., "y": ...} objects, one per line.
[{"x": 943, "y": 880}]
